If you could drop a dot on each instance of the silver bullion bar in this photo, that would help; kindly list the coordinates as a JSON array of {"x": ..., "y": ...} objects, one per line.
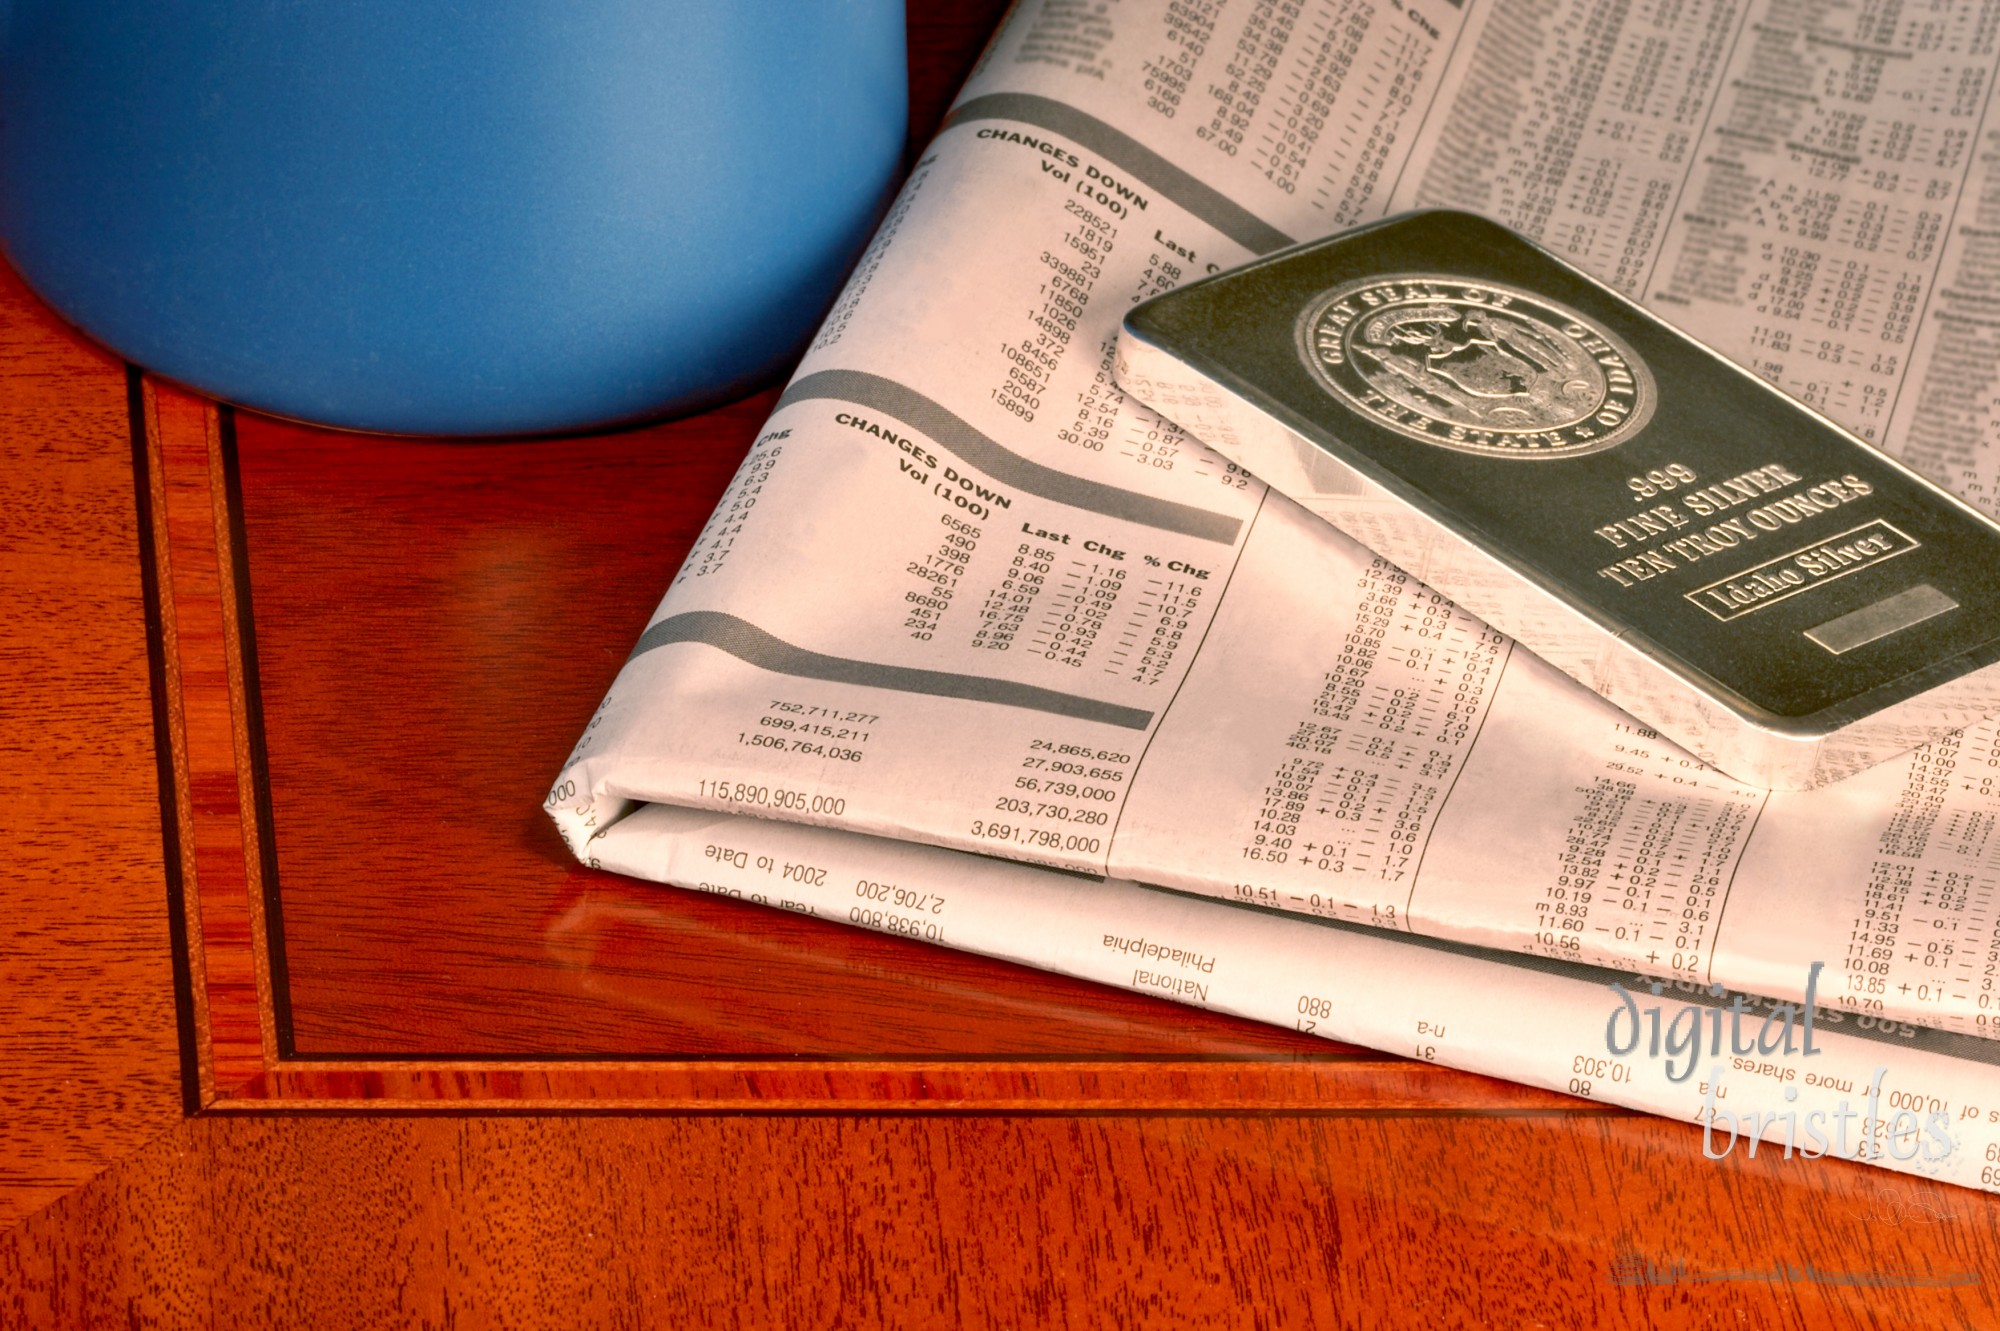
[{"x": 1722, "y": 562}]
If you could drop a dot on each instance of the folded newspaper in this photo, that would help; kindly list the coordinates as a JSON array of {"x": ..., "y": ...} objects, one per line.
[{"x": 965, "y": 600}]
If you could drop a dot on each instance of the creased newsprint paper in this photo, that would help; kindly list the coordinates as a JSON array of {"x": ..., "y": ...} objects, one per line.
[
  {"x": 965, "y": 593},
  {"x": 1847, "y": 1085}
]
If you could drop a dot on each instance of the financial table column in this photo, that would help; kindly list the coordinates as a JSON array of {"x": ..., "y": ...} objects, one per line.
[
  {"x": 1921, "y": 941},
  {"x": 1347, "y": 810},
  {"x": 1644, "y": 863},
  {"x": 1587, "y": 150},
  {"x": 1809, "y": 236},
  {"x": 1620, "y": 849},
  {"x": 1944, "y": 424}
]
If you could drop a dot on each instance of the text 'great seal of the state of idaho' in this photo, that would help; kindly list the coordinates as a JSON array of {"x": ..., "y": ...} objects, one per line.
[{"x": 1476, "y": 367}]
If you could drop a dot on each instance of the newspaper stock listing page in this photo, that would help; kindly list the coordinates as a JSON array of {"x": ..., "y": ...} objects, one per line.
[{"x": 968, "y": 616}]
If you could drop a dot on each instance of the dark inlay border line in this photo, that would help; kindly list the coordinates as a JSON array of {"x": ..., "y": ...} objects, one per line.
[
  {"x": 253, "y": 724},
  {"x": 180, "y": 957}
]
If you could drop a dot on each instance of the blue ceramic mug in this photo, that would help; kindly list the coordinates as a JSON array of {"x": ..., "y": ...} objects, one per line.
[{"x": 448, "y": 218}]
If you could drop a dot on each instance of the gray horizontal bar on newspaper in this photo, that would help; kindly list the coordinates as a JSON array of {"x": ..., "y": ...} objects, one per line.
[
  {"x": 1005, "y": 466},
  {"x": 746, "y": 642},
  {"x": 1128, "y": 154}
]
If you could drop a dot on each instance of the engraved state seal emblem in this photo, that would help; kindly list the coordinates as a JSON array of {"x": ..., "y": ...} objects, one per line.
[{"x": 1475, "y": 366}]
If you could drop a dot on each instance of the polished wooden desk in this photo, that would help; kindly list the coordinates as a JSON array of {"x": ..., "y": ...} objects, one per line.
[{"x": 311, "y": 1021}]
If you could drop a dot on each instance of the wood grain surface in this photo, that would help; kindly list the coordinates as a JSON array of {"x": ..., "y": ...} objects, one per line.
[
  {"x": 360, "y": 694},
  {"x": 86, "y": 987},
  {"x": 207, "y": 714},
  {"x": 982, "y": 1221}
]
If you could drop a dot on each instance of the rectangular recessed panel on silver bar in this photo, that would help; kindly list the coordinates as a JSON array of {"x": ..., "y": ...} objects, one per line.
[{"x": 1871, "y": 623}]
